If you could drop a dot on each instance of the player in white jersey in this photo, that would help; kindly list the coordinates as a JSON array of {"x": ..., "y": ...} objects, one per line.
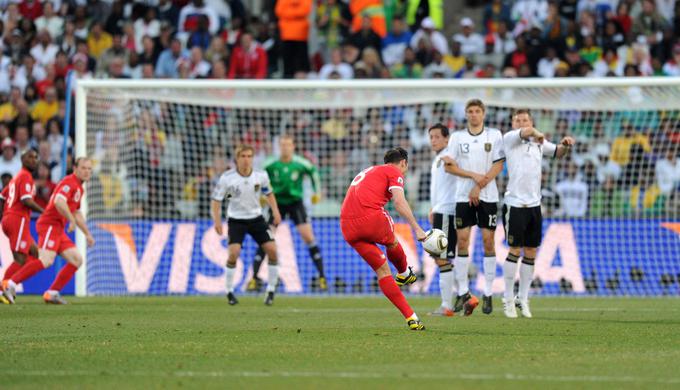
[
  {"x": 525, "y": 148},
  {"x": 477, "y": 158},
  {"x": 442, "y": 214},
  {"x": 242, "y": 187}
]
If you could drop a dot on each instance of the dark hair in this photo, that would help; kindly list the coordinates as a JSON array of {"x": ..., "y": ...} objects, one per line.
[
  {"x": 475, "y": 102},
  {"x": 522, "y": 111},
  {"x": 395, "y": 155},
  {"x": 444, "y": 130}
]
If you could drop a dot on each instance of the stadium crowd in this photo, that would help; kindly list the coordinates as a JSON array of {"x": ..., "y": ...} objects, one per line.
[{"x": 630, "y": 161}]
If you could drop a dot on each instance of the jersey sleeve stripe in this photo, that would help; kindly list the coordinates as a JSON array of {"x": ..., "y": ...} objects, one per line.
[
  {"x": 500, "y": 159},
  {"x": 62, "y": 197},
  {"x": 391, "y": 187},
  {"x": 27, "y": 196}
]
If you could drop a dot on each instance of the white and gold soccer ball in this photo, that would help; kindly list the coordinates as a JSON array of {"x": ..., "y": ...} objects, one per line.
[{"x": 435, "y": 242}]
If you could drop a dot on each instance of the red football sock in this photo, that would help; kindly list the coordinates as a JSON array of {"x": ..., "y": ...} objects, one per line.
[
  {"x": 11, "y": 270},
  {"x": 32, "y": 267},
  {"x": 393, "y": 293},
  {"x": 64, "y": 276},
  {"x": 397, "y": 257}
]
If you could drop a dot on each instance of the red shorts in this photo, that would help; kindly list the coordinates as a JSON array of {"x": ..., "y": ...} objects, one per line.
[
  {"x": 18, "y": 231},
  {"x": 376, "y": 226},
  {"x": 53, "y": 238}
]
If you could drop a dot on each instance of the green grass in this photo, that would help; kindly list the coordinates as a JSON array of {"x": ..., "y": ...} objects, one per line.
[{"x": 338, "y": 343}]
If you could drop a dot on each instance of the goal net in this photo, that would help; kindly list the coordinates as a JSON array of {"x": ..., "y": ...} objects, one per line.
[{"x": 611, "y": 209}]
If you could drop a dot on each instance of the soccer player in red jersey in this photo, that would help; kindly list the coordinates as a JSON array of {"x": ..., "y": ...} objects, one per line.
[
  {"x": 63, "y": 207},
  {"x": 365, "y": 223},
  {"x": 18, "y": 202}
]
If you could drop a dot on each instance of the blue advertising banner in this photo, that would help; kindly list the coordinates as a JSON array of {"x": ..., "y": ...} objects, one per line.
[{"x": 601, "y": 257}]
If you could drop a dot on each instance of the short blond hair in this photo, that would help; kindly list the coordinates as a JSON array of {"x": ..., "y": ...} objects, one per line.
[
  {"x": 82, "y": 159},
  {"x": 243, "y": 148}
]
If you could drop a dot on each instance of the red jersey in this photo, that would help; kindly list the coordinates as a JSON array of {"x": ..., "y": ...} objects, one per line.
[
  {"x": 71, "y": 190},
  {"x": 370, "y": 190},
  {"x": 21, "y": 187}
]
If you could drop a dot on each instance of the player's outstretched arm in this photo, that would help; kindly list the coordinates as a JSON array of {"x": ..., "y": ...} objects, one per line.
[
  {"x": 216, "y": 214},
  {"x": 271, "y": 200},
  {"x": 82, "y": 225},
  {"x": 402, "y": 207},
  {"x": 62, "y": 208},
  {"x": 30, "y": 203},
  {"x": 450, "y": 166}
]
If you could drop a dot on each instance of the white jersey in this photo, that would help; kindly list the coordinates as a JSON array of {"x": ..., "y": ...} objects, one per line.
[
  {"x": 476, "y": 153},
  {"x": 442, "y": 186},
  {"x": 573, "y": 197},
  {"x": 242, "y": 192},
  {"x": 524, "y": 159}
]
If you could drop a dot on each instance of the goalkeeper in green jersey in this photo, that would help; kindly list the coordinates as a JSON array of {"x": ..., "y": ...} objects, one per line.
[{"x": 287, "y": 175}]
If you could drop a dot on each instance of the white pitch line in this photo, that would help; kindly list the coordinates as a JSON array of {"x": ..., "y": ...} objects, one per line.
[{"x": 349, "y": 375}]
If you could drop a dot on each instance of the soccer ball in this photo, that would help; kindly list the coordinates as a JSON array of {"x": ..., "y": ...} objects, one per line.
[{"x": 435, "y": 242}]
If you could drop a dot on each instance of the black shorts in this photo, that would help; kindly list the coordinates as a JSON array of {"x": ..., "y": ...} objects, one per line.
[
  {"x": 485, "y": 215},
  {"x": 295, "y": 211},
  {"x": 445, "y": 222},
  {"x": 523, "y": 226},
  {"x": 256, "y": 227}
]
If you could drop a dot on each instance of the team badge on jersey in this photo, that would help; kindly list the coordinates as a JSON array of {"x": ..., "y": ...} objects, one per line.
[
  {"x": 294, "y": 176},
  {"x": 66, "y": 189},
  {"x": 400, "y": 180},
  {"x": 487, "y": 147}
]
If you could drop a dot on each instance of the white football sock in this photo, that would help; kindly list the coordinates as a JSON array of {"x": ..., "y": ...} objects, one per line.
[
  {"x": 460, "y": 267},
  {"x": 446, "y": 288},
  {"x": 489, "y": 274},
  {"x": 273, "y": 278},
  {"x": 526, "y": 275},
  {"x": 509, "y": 271},
  {"x": 230, "y": 279}
]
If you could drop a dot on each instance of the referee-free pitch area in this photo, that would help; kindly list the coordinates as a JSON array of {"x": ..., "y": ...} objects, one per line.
[{"x": 355, "y": 342}]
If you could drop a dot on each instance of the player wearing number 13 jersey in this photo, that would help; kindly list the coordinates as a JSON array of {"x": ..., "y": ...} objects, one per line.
[{"x": 365, "y": 223}]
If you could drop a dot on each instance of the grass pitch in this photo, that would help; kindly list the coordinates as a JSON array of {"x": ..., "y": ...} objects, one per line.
[{"x": 358, "y": 342}]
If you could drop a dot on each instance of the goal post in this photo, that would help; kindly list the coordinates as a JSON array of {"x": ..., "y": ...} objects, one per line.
[{"x": 611, "y": 209}]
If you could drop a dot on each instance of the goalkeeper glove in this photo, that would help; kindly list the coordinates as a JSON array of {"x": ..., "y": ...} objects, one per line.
[{"x": 316, "y": 198}]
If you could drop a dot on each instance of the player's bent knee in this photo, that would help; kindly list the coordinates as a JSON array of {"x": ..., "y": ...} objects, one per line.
[
  {"x": 515, "y": 251},
  {"x": 383, "y": 271},
  {"x": 530, "y": 252}
]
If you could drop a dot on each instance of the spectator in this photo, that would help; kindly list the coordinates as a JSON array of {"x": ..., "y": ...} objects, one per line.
[
  {"x": 365, "y": 37},
  {"x": 518, "y": 57},
  {"x": 668, "y": 171},
  {"x": 23, "y": 117},
  {"x": 218, "y": 70},
  {"x": 43, "y": 185},
  {"x": 117, "y": 69},
  {"x": 150, "y": 51},
  {"x": 146, "y": 26},
  {"x": 555, "y": 26},
  {"x": 503, "y": 41},
  {"x": 166, "y": 67},
  {"x": 294, "y": 32},
  {"x": 396, "y": 42},
  {"x": 608, "y": 64},
  {"x": 332, "y": 21},
  {"x": 67, "y": 41},
  {"x": 613, "y": 37},
  {"x": 437, "y": 68},
  {"x": 590, "y": 53},
  {"x": 548, "y": 64},
  {"x": 117, "y": 50},
  {"x": 471, "y": 43},
  {"x": 8, "y": 110},
  {"x": 21, "y": 139},
  {"x": 249, "y": 60},
  {"x": 370, "y": 63},
  {"x": 623, "y": 18},
  {"x": 46, "y": 108},
  {"x": 44, "y": 52},
  {"x": 374, "y": 9},
  {"x": 168, "y": 12},
  {"x": 649, "y": 25},
  {"x": 350, "y": 53},
  {"x": 431, "y": 36},
  {"x": 38, "y": 135},
  {"x": 343, "y": 69},
  {"x": 50, "y": 21},
  {"x": 190, "y": 15},
  {"x": 646, "y": 198},
  {"x": 409, "y": 68},
  {"x": 31, "y": 9},
  {"x": 527, "y": 13},
  {"x": 217, "y": 50},
  {"x": 672, "y": 66},
  {"x": 573, "y": 193},
  {"x": 200, "y": 37},
  {"x": 497, "y": 11},
  {"x": 99, "y": 40},
  {"x": 10, "y": 161},
  {"x": 198, "y": 67},
  {"x": 622, "y": 145}
]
